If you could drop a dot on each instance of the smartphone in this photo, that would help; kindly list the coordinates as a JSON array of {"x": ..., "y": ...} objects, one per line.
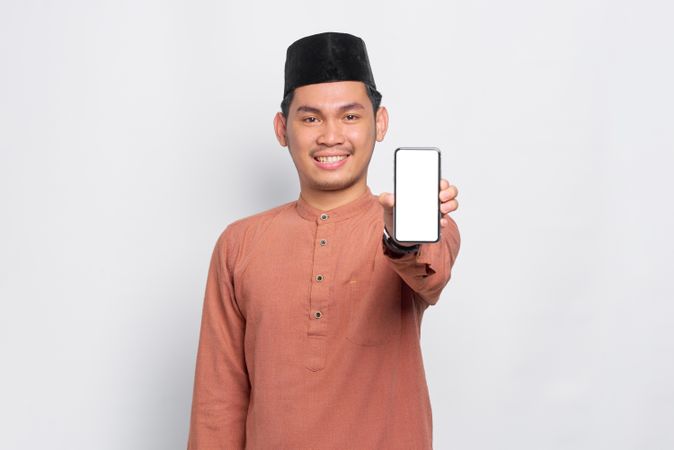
[{"x": 416, "y": 189}]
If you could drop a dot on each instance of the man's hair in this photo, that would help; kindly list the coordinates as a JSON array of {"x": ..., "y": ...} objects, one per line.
[{"x": 373, "y": 94}]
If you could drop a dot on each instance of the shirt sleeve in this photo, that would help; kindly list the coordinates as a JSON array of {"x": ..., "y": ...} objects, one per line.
[
  {"x": 221, "y": 384},
  {"x": 428, "y": 271}
]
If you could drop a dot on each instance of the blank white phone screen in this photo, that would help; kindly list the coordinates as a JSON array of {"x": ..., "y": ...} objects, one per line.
[{"x": 416, "y": 189}]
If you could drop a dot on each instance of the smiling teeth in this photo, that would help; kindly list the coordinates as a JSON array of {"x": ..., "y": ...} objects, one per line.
[{"x": 330, "y": 159}]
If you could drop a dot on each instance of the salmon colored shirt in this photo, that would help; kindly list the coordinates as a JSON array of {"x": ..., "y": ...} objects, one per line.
[{"x": 310, "y": 333}]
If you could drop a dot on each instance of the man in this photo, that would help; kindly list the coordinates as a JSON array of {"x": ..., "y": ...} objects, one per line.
[{"x": 312, "y": 314}]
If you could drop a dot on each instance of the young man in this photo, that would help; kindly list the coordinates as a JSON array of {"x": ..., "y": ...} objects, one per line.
[{"x": 310, "y": 334}]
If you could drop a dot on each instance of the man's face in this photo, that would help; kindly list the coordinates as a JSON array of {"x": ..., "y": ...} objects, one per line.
[{"x": 331, "y": 119}]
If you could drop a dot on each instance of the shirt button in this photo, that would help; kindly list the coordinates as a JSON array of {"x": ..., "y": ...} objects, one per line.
[
  {"x": 319, "y": 277},
  {"x": 324, "y": 216},
  {"x": 323, "y": 241},
  {"x": 318, "y": 314}
]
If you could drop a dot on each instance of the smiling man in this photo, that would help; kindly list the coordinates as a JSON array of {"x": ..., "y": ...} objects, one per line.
[{"x": 311, "y": 323}]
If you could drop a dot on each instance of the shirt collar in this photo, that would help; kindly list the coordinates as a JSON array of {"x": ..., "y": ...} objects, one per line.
[{"x": 359, "y": 206}]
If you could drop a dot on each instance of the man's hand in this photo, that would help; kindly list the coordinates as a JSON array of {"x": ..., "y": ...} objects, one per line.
[{"x": 448, "y": 203}]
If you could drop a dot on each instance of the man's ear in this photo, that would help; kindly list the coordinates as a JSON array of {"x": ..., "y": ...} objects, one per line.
[
  {"x": 381, "y": 123},
  {"x": 280, "y": 129}
]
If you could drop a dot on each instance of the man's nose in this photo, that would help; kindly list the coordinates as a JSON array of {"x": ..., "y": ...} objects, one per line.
[{"x": 332, "y": 133}]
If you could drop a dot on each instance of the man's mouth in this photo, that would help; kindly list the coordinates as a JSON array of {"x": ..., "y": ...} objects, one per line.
[
  {"x": 330, "y": 159},
  {"x": 332, "y": 162}
]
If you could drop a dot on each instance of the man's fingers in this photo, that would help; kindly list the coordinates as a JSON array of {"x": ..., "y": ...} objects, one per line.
[
  {"x": 449, "y": 193},
  {"x": 449, "y": 206}
]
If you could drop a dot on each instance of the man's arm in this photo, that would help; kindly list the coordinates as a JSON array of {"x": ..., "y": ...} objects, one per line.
[
  {"x": 428, "y": 271},
  {"x": 221, "y": 384}
]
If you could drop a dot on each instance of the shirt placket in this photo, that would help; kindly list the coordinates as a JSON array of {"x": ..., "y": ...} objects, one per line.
[{"x": 320, "y": 309}]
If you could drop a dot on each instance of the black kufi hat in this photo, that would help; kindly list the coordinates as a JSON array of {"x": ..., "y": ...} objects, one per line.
[{"x": 325, "y": 57}]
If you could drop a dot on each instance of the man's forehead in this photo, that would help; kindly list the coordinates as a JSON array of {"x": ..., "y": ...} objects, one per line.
[
  {"x": 303, "y": 107},
  {"x": 332, "y": 92}
]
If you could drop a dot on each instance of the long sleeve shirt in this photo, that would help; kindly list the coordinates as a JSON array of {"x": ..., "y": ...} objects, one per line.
[{"x": 310, "y": 333}]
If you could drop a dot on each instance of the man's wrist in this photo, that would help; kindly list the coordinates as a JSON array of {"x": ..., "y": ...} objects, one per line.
[{"x": 398, "y": 248}]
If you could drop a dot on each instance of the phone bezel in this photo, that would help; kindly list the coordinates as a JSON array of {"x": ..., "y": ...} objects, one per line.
[{"x": 395, "y": 167}]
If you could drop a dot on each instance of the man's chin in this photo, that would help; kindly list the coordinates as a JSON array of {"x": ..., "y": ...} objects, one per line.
[{"x": 332, "y": 185}]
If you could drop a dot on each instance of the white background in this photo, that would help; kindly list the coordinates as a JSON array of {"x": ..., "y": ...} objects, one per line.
[{"x": 133, "y": 132}]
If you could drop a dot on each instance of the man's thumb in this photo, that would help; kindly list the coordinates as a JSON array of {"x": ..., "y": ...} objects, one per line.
[{"x": 386, "y": 199}]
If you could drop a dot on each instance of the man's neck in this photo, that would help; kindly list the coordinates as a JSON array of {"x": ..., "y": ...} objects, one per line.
[{"x": 327, "y": 200}]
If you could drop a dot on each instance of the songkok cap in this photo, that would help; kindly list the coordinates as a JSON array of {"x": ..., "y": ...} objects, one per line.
[{"x": 325, "y": 57}]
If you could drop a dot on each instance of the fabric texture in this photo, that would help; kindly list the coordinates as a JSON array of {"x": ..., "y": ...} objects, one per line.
[
  {"x": 310, "y": 333},
  {"x": 326, "y": 57}
]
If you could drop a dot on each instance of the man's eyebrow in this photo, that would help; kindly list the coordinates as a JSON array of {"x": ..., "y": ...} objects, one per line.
[
  {"x": 311, "y": 109},
  {"x": 354, "y": 105}
]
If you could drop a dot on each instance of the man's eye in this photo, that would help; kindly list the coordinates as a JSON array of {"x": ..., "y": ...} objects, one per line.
[
  {"x": 351, "y": 117},
  {"x": 310, "y": 119}
]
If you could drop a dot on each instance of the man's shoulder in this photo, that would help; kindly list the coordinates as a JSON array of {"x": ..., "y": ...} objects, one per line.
[
  {"x": 239, "y": 238},
  {"x": 247, "y": 226}
]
